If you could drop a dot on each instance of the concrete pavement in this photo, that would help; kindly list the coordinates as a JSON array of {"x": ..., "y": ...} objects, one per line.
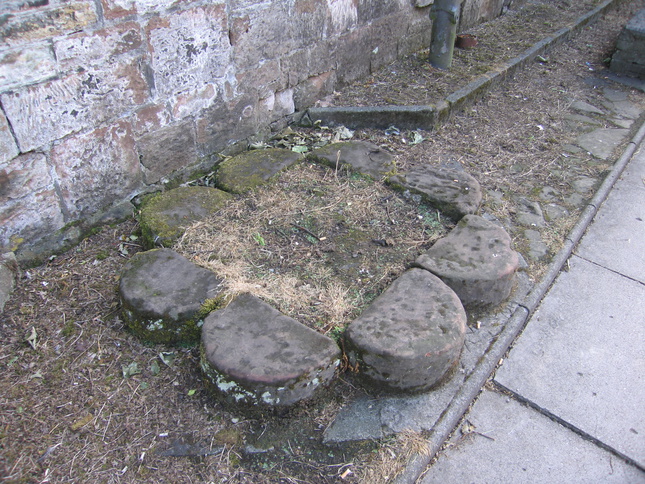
[{"x": 568, "y": 402}]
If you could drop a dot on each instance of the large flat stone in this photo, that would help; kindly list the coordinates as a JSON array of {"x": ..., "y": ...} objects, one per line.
[
  {"x": 253, "y": 354},
  {"x": 504, "y": 441},
  {"x": 410, "y": 337},
  {"x": 602, "y": 142},
  {"x": 476, "y": 260},
  {"x": 251, "y": 169},
  {"x": 454, "y": 192},
  {"x": 165, "y": 217},
  {"x": 581, "y": 356},
  {"x": 166, "y": 297},
  {"x": 363, "y": 157}
]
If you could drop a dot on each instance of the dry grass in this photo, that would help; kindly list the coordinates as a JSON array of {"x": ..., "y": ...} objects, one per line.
[{"x": 317, "y": 244}]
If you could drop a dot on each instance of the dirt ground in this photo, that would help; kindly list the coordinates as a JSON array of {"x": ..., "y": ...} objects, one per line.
[{"x": 84, "y": 401}]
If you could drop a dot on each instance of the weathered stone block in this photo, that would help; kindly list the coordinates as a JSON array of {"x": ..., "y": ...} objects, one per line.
[
  {"x": 75, "y": 102},
  {"x": 23, "y": 176},
  {"x": 456, "y": 193},
  {"x": 96, "y": 169},
  {"x": 410, "y": 337},
  {"x": 165, "y": 217},
  {"x": 167, "y": 150},
  {"x": 8, "y": 148},
  {"x": 253, "y": 354},
  {"x": 476, "y": 260},
  {"x": 34, "y": 24},
  {"x": 253, "y": 168},
  {"x": 361, "y": 156},
  {"x": 166, "y": 297},
  {"x": 344, "y": 16},
  {"x": 314, "y": 88},
  {"x": 189, "y": 48},
  {"x": 189, "y": 103},
  {"x": 150, "y": 118},
  {"x": 26, "y": 65},
  {"x": 102, "y": 46}
]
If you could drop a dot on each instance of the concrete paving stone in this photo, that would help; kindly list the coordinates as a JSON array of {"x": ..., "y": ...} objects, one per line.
[
  {"x": 581, "y": 356},
  {"x": 616, "y": 238},
  {"x": 602, "y": 142},
  {"x": 504, "y": 441},
  {"x": 253, "y": 354},
  {"x": 625, "y": 109}
]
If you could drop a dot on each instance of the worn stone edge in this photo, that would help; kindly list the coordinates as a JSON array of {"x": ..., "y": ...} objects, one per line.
[
  {"x": 476, "y": 380},
  {"x": 429, "y": 116}
]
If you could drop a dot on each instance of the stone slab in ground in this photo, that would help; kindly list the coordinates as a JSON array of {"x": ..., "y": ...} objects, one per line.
[
  {"x": 454, "y": 192},
  {"x": 410, "y": 337},
  {"x": 254, "y": 168},
  {"x": 164, "y": 295},
  {"x": 476, "y": 260},
  {"x": 253, "y": 354},
  {"x": 581, "y": 356},
  {"x": 509, "y": 442},
  {"x": 363, "y": 157},
  {"x": 165, "y": 217},
  {"x": 602, "y": 142},
  {"x": 615, "y": 238}
]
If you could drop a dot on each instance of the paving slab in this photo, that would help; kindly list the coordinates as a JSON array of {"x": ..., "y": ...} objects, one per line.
[
  {"x": 581, "y": 356},
  {"x": 616, "y": 238},
  {"x": 504, "y": 441},
  {"x": 602, "y": 142}
]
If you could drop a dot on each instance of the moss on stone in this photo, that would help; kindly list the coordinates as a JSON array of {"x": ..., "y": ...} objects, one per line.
[
  {"x": 252, "y": 169},
  {"x": 164, "y": 217}
]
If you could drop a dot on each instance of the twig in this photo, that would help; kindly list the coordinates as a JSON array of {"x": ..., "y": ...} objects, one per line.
[{"x": 300, "y": 227}]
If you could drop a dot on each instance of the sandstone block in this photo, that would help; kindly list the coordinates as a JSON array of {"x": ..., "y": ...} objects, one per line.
[
  {"x": 8, "y": 148},
  {"x": 363, "y": 157},
  {"x": 253, "y": 354},
  {"x": 72, "y": 103},
  {"x": 189, "y": 48},
  {"x": 164, "y": 217},
  {"x": 33, "y": 24},
  {"x": 167, "y": 150},
  {"x": 476, "y": 260},
  {"x": 96, "y": 169},
  {"x": 166, "y": 297},
  {"x": 411, "y": 336},
  {"x": 314, "y": 88},
  {"x": 251, "y": 169},
  {"x": 456, "y": 193},
  {"x": 102, "y": 46},
  {"x": 26, "y": 65}
]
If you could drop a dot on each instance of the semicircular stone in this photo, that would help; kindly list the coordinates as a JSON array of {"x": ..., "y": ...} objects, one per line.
[
  {"x": 476, "y": 260},
  {"x": 253, "y": 354},
  {"x": 363, "y": 157},
  {"x": 454, "y": 192},
  {"x": 165, "y": 217},
  {"x": 251, "y": 169},
  {"x": 410, "y": 337},
  {"x": 166, "y": 297}
]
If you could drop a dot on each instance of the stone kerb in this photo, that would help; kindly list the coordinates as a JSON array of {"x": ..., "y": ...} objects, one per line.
[
  {"x": 476, "y": 260},
  {"x": 166, "y": 297},
  {"x": 411, "y": 336},
  {"x": 253, "y": 354}
]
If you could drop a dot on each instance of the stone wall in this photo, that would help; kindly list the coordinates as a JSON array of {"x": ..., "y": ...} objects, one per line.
[{"x": 102, "y": 100}]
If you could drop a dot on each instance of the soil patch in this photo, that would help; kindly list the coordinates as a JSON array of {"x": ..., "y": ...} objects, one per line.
[{"x": 318, "y": 244}]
